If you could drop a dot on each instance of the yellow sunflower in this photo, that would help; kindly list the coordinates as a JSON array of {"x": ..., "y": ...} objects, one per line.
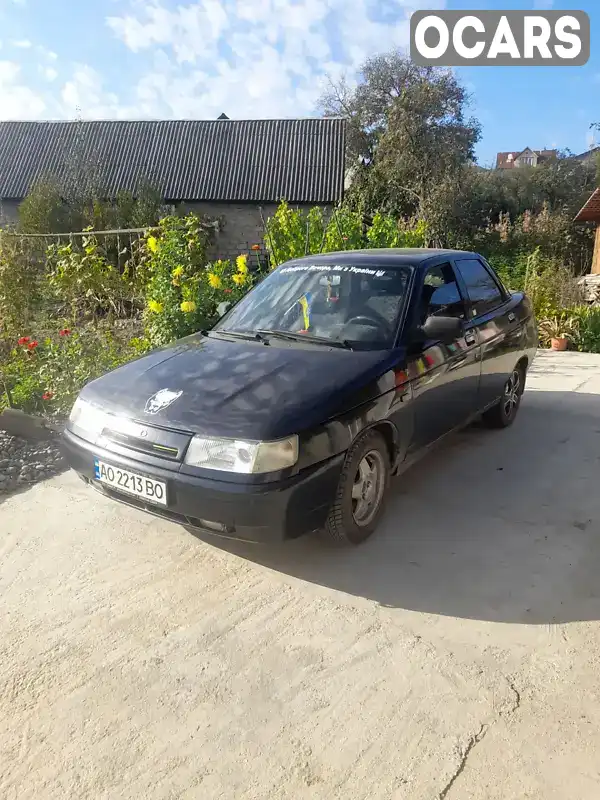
[
  {"x": 188, "y": 306},
  {"x": 214, "y": 280},
  {"x": 241, "y": 263},
  {"x": 155, "y": 306}
]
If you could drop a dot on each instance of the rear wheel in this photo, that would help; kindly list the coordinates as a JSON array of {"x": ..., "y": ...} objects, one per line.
[
  {"x": 359, "y": 501},
  {"x": 504, "y": 412}
]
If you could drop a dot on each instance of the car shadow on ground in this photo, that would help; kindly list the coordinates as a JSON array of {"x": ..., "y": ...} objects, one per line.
[{"x": 493, "y": 525}]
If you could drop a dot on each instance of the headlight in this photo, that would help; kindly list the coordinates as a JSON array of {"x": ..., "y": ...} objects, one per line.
[
  {"x": 238, "y": 455},
  {"x": 88, "y": 418}
]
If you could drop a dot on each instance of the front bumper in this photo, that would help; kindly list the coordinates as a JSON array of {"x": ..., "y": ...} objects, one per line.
[{"x": 265, "y": 512}]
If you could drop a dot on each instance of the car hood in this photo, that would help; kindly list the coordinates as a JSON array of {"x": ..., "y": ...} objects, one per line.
[{"x": 235, "y": 388}]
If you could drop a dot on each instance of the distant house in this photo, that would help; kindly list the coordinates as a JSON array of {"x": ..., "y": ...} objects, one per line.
[
  {"x": 513, "y": 159},
  {"x": 589, "y": 155},
  {"x": 232, "y": 169}
]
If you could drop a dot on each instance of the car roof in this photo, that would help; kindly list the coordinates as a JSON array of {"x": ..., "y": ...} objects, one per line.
[{"x": 390, "y": 256}]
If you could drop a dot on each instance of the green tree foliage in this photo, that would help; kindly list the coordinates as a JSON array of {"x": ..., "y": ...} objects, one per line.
[
  {"x": 49, "y": 208},
  {"x": 44, "y": 210},
  {"x": 409, "y": 138},
  {"x": 291, "y": 233}
]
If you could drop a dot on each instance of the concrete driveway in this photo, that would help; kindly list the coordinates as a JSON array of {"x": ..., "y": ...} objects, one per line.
[{"x": 454, "y": 656}]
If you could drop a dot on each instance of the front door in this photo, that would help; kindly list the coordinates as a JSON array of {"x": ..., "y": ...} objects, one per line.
[{"x": 444, "y": 377}]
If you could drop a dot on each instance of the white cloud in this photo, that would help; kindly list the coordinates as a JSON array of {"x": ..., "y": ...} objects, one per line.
[
  {"x": 248, "y": 58},
  {"x": 49, "y": 73},
  {"x": 253, "y": 58},
  {"x": 23, "y": 44},
  {"x": 18, "y": 100},
  {"x": 84, "y": 96}
]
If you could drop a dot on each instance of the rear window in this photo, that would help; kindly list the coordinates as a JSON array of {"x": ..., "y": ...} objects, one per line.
[{"x": 483, "y": 290}]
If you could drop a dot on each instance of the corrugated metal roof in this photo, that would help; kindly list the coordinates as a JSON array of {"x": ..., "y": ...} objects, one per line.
[
  {"x": 301, "y": 160},
  {"x": 591, "y": 210}
]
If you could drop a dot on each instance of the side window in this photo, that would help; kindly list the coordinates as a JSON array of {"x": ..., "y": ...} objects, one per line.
[
  {"x": 440, "y": 294},
  {"x": 484, "y": 293}
]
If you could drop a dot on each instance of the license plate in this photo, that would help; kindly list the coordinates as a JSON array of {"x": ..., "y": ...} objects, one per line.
[{"x": 131, "y": 483}]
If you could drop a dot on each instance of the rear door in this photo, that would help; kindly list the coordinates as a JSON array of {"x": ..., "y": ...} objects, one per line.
[
  {"x": 444, "y": 378},
  {"x": 492, "y": 312}
]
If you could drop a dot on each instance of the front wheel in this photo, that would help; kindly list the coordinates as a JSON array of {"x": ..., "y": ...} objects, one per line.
[
  {"x": 504, "y": 412},
  {"x": 361, "y": 492}
]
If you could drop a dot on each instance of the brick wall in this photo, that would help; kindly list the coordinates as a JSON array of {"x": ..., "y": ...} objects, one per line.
[{"x": 241, "y": 226}]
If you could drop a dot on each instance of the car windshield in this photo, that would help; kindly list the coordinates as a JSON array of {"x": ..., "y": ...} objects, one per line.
[{"x": 348, "y": 303}]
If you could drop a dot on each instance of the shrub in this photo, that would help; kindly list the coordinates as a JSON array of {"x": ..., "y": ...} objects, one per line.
[
  {"x": 86, "y": 282},
  {"x": 587, "y": 324},
  {"x": 174, "y": 266},
  {"x": 46, "y": 374},
  {"x": 184, "y": 291},
  {"x": 291, "y": 233}
]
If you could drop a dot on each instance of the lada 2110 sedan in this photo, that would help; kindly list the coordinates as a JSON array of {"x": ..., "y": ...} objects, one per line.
[{"x": 291, "y": 414}]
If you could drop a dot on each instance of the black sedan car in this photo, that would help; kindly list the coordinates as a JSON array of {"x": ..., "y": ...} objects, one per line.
[{"x": 334, "y": 373}]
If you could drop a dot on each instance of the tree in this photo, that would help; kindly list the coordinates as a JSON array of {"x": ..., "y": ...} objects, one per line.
[
  {"x": 44, "y": 210},
  {"x": 408, "y": 132}
]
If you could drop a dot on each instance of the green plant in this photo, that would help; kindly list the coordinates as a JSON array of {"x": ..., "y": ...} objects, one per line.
[
  {"x": 345, "y": 230},
  {"x": 587, "y": 319},
  {"x": 285, "y": 233},
  {"x": 184, "y": 292},
  {"x": 561, "y": 326},
  {"x": 45, "y": 375},
  {"x": 21, "y": 284},
  {"x": 85, "y": 281},
  {"x": 174, "y": 264}
]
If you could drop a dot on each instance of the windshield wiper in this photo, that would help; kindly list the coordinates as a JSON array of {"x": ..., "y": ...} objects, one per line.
[
  {"x": 307, "y": 337},
  {"x": 250, "y": 337}
]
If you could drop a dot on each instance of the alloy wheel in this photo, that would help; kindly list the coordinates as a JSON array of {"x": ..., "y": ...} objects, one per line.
[
  {"x": 368, "y": 487},
  {"x": 512, "y": 393}
]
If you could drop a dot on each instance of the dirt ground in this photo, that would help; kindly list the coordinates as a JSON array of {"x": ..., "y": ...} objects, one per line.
[{"x": 453, "y": 657}]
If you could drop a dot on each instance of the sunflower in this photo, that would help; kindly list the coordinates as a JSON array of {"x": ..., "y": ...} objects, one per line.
[
  {"x": 152, "y": 244},
  {"x": 155, "y": 306},
  {"x": 241, "y": 263},
  {"x": 239, "y": 279},
  {"x": 188, "y": 306},
  {"x": 214, "y": 280}
]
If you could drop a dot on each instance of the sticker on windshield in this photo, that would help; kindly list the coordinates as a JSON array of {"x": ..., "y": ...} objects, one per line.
[{"x": 377, "y": 273}]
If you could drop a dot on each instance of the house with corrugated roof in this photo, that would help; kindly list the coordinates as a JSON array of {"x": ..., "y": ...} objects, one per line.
[
  {"x": 234, "y": 170},
  {"x": 512, "y": 159}
]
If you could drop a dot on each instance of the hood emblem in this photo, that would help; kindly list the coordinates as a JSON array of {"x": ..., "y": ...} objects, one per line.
[{"x": 162, "y": 399}]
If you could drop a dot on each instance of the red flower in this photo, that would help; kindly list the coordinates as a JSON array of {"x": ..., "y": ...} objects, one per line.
[
  {"x": 227, "y": 291},
  {"x": 64, "y": 332},
  {"x": 23, "y": 340},
  {"x": 47, "y": 396},
  {"x": 32, "y": 345},
  {"x": 255, "y": 247}
]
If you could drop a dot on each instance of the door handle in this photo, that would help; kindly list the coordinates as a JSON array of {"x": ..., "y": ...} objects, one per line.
[
  {"x": 511, "y": 317},
  {"x": 470, "y": 337}
]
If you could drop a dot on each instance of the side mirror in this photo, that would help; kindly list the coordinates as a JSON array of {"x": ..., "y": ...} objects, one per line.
[
  {"x": 223, "y": 307},
  {"x": 442, "y": 329}
]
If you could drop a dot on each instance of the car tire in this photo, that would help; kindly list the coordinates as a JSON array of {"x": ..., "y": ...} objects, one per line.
[
  {"x": 361, "y": 492},
  {"x": 503, "y": 414}
]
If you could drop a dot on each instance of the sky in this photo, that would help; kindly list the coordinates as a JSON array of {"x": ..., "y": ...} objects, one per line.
[{"x": 193, "y": 59}]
